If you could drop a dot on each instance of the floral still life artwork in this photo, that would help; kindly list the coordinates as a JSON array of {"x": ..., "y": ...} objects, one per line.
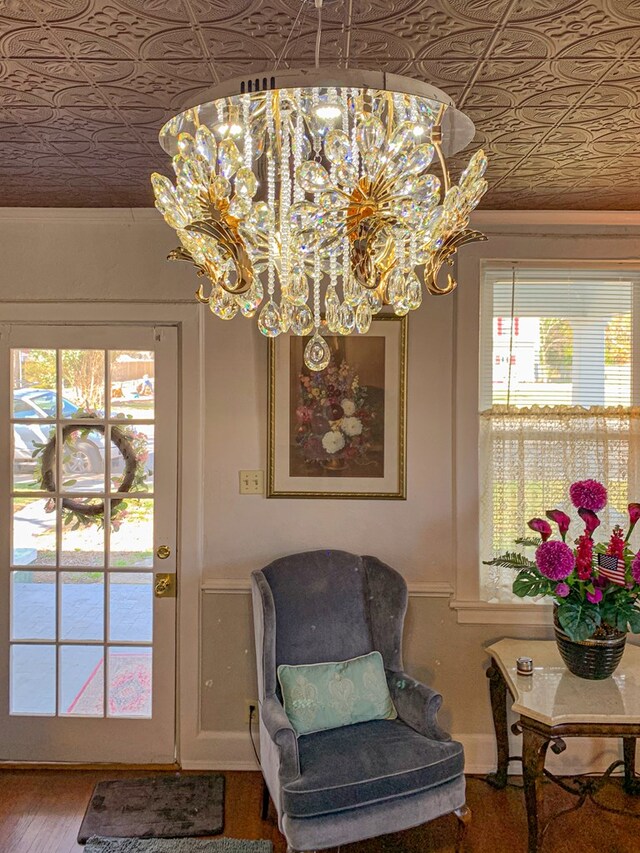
[
  {"x": 337, "y": 415},
  {"x": 595, "y": 585}
]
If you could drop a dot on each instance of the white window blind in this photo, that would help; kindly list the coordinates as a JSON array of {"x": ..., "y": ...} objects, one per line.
[{"x": 559, "y": 395}]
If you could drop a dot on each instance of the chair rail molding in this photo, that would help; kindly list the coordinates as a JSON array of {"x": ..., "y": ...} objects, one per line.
[{"x": 242, "y": 586}]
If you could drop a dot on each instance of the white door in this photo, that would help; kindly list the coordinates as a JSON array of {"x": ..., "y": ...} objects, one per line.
[{"x": 88, "y": 448}]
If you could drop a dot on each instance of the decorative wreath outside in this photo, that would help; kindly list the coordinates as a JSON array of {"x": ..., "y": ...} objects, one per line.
[{"x": 132, "y": 447}]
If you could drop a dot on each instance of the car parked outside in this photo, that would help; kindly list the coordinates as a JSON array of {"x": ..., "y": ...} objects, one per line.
[{"x": 84, "y": 455}]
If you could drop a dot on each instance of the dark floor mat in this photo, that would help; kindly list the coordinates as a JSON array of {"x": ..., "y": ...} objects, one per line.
[{"x": 157, "y": 807}]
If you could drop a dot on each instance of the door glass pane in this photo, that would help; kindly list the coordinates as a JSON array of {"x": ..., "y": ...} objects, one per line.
[
  {"x": 33, "y": 605},
  {"x": 34, "y": 383},
  {"x": 132, "y": 466},
  {"x": 29, "y": 442},
  {"x": 132, "y": 384},
  {"x": 131, "y": 533},
  {"x": 33, "y": 680},
  {"x": 131, "y": 607},
  {"x": 129, "y": 681},
  {"x": 34, "y": 532},
  {"x": 81, "y": 681},
  {"x": 82, "y": 541},
  {"x": 82, "y": 613},
  {"x": 82, "y": 382},
  {"x": 83, "y": 460}
]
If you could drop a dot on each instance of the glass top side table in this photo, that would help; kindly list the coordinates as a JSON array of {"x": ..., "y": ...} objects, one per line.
[{"x": 554, "y": 704}]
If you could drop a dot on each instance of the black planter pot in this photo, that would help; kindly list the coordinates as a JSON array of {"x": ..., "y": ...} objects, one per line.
[{"x": 595, "y": 658}]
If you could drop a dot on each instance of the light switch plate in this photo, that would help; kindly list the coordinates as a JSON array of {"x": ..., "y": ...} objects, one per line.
[{"x": 251, "y": 482}]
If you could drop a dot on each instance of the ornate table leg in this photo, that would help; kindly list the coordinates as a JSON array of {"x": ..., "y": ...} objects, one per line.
[
  {"x": 534, "y": 750},
  {"x": 498, "y": 692},
  {"x": 631, "y": 784}
]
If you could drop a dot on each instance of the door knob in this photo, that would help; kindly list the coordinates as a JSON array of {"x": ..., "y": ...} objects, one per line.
[{"x": 163, "y": 552}]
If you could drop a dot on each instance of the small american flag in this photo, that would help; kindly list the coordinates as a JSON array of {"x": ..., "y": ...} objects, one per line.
[{"x": 612, "y": 568}]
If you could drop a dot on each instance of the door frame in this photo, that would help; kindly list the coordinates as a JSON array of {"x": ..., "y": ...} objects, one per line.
[{"x": 188, "y": 321}]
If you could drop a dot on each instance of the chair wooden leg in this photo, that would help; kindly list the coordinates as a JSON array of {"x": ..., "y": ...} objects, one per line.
[
  {"x": 264, "y": 811},
  {"x": 464, "y": 819}
]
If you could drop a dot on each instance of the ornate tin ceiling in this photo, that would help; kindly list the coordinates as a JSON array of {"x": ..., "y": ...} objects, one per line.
[{"x": 551, "y": 85}]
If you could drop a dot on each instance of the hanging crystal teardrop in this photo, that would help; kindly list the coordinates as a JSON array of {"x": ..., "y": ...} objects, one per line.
[
  {"x": 269, "y": 321},
  {"x": 317, "y": 354}
]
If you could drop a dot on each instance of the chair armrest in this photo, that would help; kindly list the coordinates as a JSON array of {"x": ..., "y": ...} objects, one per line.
[
  {"x": 283, "y": 735},
  {"x": 417, "y": 705}
]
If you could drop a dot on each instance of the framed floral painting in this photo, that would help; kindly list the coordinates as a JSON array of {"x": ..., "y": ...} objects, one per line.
[{"x": 339, "y": 433}]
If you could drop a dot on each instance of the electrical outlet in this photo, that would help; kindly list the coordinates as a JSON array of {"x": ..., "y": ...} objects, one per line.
[
  {"x": 251, "y": 482},
  {"x": 250, "y": 704}
]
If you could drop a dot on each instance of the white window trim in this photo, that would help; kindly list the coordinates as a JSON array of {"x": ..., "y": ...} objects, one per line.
[{"x": 528, "y": 237}]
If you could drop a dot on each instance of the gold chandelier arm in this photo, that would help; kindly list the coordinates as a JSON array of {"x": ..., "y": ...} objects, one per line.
[
  {"x": 232, "y": 246},
  {"x": 445, "y": 255}
]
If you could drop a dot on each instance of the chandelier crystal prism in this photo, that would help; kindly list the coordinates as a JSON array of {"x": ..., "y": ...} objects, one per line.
[{"x": 328, "y": 189}]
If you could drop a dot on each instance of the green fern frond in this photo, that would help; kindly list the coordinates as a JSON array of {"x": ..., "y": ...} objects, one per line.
[
  {"x": 528, "y": 540},
  {"x": 511, "y": 560}
]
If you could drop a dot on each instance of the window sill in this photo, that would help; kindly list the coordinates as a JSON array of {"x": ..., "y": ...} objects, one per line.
[{"x": 486, "y": 613}]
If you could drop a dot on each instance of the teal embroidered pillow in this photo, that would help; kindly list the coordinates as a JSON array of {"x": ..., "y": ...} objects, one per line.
[{"x": 321, "y": 696}]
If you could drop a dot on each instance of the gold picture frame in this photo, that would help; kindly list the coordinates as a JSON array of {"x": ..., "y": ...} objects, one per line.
[{"x": 340, "y": 433}]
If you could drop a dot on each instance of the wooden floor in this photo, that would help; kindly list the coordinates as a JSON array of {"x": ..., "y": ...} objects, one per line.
[{"x": 41, "y": 811}]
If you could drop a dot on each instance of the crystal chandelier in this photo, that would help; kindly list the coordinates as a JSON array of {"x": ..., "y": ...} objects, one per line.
[{"x": 317, "y": 186}]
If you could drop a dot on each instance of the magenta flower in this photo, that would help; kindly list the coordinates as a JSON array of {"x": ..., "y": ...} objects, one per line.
[
  {"x": 555, "y": 560},
  {"x": 588, "y": 494},
  {"x": 591, "y": 520},
  {"x": 634, "y": 517},
  {"x": 635, "y": 568},
  {"x": 561, "y": 519},
  {"x": 540, "y": 526},
  {"x": 562, "y": 590},
  {"x": 595, "y": 596}
]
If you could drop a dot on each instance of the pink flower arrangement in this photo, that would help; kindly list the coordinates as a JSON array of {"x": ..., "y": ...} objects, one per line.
[
  {"x": 593, "y": 583},
  {"x": 555, "y": 560},
  {"x": 588, "y": 494}
]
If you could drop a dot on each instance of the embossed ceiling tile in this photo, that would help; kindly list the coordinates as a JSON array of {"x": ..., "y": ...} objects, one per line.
[
  {"x": 179, "y": 70},
  {"x": 232, "y": 44},
  {"x": 364, "y": 11},
  {"x": 369, "y": 47},
  {"x": 552, "y": 107},
  {"x": 469, "y": 44},
  {"x": 577, "y": 20},
  {"x": 514, "y": 43},
  {"x": 176, "y": 10},
  {"x": 614, "y": 44},
  {"x": 180, "y": 43},
  {"x": 34, "y": 11},
  {"x": 27, "y": 115},
  {"x": 627, "y": 72},
  {"x": 134, "y": 96},
  {"x": 446, "y": 73},
  {"x": 131, "y": 115},
  {"x": 58, "y": 43},
  {"x": 584, "y": 70},
  {"x": 15, "y": 99},
  {"x": 113, "y": 23},
  {"x": 479, "y": 11},
  {"x": 14, "y": 75}
]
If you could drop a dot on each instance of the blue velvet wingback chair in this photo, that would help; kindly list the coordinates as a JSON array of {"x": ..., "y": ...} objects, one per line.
[{"x": 360, "y": 781}]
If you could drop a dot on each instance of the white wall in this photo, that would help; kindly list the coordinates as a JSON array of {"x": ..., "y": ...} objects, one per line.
[{"x": 118, "y": 256}]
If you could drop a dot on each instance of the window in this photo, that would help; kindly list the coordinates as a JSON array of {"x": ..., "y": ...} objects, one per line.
[{"x": 559, "y": 397}]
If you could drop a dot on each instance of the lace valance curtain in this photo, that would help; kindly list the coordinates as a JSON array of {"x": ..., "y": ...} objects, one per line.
[{"x": 529, "y": 456}]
